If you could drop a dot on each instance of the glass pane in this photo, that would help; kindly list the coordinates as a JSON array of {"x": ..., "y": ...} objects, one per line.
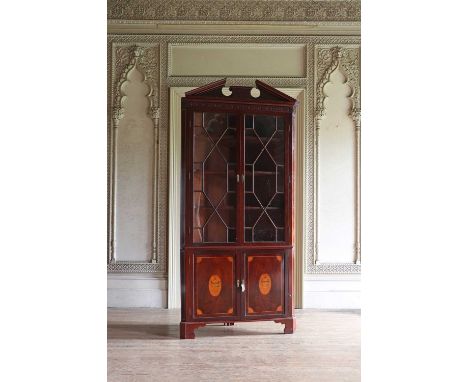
[
  {"x": 264, "y": 230},
  {"x": 264, "y": 178},
  {"x": 214, "y": 177}
]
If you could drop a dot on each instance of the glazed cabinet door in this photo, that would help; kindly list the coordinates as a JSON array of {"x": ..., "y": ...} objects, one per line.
[
  {"x": 214, "y": 181},
  {"x": 266, "y": 182},
  {"x": 266, "y": 279},
  {"x": 214, "y": 289}
]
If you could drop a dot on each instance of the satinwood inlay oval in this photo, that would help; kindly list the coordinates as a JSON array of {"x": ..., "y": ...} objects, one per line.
[
  {"x": 264, "y": 283},
  {"x": 214, "y": 285}
]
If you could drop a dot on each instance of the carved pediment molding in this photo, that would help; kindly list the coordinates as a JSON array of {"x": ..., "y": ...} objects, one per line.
[{"x": 235, "y": 10}]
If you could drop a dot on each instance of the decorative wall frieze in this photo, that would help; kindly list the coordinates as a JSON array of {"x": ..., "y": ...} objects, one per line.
[{"x": 235, "y": 10}]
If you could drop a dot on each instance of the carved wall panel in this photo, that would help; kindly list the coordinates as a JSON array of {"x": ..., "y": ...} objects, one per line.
[
  {"x": 336, "y": 176},
  {"x": 134, "y": 166},
  {"x": 134, "y": 159},
  {"x": 339, "y": 184}
]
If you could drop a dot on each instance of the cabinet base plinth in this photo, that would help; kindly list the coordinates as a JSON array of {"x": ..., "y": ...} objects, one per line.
[
  {"x": 289, "y": 324},
  {"x": 187, "y": 329}
]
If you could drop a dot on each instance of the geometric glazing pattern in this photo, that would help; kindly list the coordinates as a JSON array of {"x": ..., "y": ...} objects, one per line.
[
  {"x": 264, "y": 178},
  {"x": 214, "y": 177}
]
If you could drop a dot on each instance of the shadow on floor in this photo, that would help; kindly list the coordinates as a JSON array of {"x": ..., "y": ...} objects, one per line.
[
  {"x": 170, "y": 332},
  {"x": 142, "y": 332}
]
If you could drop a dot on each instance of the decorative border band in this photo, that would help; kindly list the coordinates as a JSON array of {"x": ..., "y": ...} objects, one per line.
[
  {"x": 335, "y": 268},
  {"x": 235, "y": 10},
  {"x": 134, "y": 267}
]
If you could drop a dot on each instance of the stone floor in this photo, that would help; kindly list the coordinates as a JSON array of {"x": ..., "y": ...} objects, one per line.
[{"x": 144, "y": 345}]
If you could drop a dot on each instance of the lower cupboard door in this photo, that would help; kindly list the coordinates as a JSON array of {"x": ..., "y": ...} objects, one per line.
[
  {"x": 265, "y": 275},
  {"x": 214, "y": 290}
]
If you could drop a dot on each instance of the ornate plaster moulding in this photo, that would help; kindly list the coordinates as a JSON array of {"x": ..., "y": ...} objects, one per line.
[
  {"x": 146, "y": 57},
  {"x": 135, "y": 267},
  {"x": 235, "y": 10},
  {"x": 285, "y": 28},
  {"x": 336, "y": 268}
]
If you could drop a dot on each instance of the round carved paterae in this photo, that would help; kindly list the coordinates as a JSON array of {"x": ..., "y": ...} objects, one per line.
[
  {"x": 226, "y": 91},
  {"x": 254, "y": 92}
]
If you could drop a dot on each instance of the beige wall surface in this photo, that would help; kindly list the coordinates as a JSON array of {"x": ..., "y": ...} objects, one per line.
[
  {"x": 237, "y": 60},
  {"x": 323, "y": 70},
  {"x": 336, "y": 175},
  {"x": 134, "y": 172}
]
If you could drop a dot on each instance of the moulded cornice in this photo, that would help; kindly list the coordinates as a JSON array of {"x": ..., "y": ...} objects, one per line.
[
  {"x": 235, "y": 10},
  {"x": 337, "y": 28}
]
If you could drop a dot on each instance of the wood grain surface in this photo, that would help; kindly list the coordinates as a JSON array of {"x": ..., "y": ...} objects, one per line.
[{"x": 144, "y": 345}]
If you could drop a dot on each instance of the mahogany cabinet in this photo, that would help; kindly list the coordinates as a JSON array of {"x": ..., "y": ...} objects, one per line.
[{"x": 237, "y": 231}]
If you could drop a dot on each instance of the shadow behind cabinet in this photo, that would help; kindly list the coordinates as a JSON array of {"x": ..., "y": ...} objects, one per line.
[{"x": 237, "y": 206}]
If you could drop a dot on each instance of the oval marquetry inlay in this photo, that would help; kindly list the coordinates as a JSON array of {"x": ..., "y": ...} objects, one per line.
[
  {"x": 264, "y": 283},
  {"x": 214, "y": 285}
]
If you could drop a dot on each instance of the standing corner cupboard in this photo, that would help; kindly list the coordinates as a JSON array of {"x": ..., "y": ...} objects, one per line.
[{"x": 237, "y": 208}]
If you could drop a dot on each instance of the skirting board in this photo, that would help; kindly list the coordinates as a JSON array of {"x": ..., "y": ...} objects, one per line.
[
  {"x": 136, "y": 291},
  {"x": 332, "y": 291}
]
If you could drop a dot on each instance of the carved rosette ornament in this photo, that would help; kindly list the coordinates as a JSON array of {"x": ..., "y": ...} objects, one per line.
[{"x": 348, "y": 60}]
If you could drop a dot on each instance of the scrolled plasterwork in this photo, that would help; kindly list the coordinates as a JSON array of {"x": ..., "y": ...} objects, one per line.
[
  {"x": 346, "y": 58},
  {"x": 313, "y": 43},
  {"x": 235, "y": 10},
  {"x": 145, "y": 57}
]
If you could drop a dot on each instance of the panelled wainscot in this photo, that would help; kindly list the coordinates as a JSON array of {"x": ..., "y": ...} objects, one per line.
[{"x": 237, "y": 248}]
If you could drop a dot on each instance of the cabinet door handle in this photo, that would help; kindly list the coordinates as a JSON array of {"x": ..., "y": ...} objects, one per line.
[
  {"x": 241, "y": 284},
  {"x": 237, "y": 182}
]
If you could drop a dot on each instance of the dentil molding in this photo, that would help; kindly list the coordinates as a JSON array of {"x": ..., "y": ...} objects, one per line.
[{"x": 235, "y": 10}]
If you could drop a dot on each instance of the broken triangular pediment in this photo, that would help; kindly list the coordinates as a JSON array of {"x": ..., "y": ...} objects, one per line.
[{"x": 261, "y": 92}]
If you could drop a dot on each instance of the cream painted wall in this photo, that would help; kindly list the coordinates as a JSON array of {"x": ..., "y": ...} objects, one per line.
[
  {"x": 134, "y": 172},
  {"x": 336, "y": 179},
  {"x": 237, "y": 60}
]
